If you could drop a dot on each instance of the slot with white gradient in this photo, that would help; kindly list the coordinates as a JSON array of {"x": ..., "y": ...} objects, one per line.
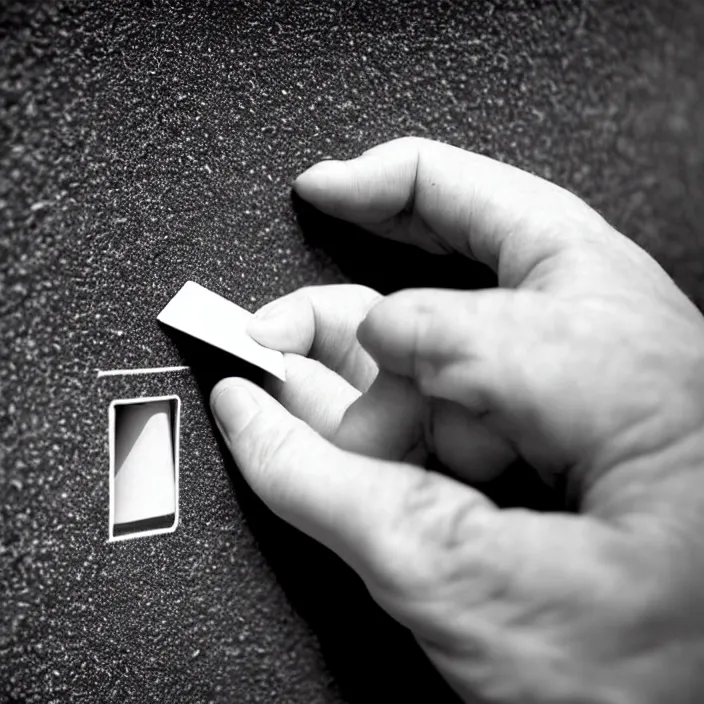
[{"x": 144, "y": 447}]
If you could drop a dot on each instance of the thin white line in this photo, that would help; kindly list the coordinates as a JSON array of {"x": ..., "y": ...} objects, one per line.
[{"x": 132, "y": 372}]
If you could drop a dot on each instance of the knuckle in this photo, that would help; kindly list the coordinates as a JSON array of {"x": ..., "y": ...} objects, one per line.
[
  {"x": 440, "y": 519},
  {"x": 277, "y": 445},
  {"x": 425, "y": 545},
  {"x": 273, "y": 456},
  {"x": 366, "y": 295},
  {"x": 410, "y": 142}
]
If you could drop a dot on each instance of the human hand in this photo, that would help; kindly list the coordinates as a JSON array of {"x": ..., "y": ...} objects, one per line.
[{"x": 587, "y": 362}]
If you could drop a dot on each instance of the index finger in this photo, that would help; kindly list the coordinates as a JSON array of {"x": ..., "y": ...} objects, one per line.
[
  {"x": 446, "y": 199},
  {"x": 321, "y": 322}
]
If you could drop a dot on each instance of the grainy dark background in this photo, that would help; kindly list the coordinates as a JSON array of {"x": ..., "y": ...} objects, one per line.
[{"x": 143, "y": 144}]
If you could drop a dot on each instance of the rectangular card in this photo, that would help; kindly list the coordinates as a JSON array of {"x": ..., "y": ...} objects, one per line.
[{"x": 215, "y": 320}]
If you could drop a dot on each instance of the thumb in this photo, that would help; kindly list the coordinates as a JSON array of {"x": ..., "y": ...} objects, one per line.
[
  {"x": 436, "y": 554},
  {"x": 349, "y": 502}
]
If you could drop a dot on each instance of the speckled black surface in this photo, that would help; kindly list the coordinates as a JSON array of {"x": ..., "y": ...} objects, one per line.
[{"x": 143, "y": 144}]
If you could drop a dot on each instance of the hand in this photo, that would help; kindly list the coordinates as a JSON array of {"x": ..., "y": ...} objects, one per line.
[{"x": 587, "y": 362}]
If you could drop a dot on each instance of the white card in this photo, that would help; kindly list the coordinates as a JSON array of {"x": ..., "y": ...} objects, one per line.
[{"x": 213, "y": 319}]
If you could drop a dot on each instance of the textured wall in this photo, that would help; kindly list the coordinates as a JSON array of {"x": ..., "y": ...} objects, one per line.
[{"x": 143, "y": 144}]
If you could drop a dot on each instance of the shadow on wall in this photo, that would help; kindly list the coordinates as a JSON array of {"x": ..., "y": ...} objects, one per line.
[
  {"x": 370, "y": 656},
  {"x": 383, "y": 264}
]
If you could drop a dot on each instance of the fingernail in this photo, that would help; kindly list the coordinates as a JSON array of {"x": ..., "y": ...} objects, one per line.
[
  {"x": 233, "y": 408},
  {"x": 270, "y": 324},
  {"x": 271, "y": 311}
]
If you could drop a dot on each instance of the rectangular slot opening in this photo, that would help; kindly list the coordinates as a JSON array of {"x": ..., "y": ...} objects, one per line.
[{"x": 144, "y": 447}]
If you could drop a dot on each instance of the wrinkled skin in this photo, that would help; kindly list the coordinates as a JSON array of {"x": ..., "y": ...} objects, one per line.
[{"x": 587, "y": 362}]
